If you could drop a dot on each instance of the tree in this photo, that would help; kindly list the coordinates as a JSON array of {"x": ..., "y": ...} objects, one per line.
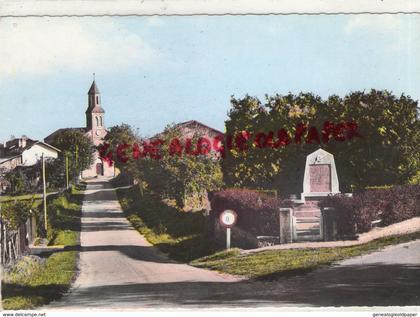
[
  {"x": 152, "y": 161},
  {"x": 55, "y": 172},
  {"x": 179, "y": 174},
  {"x": 79, "y": 149},
  {"x": 17, "y": 181},
  {"x": 383, "y": 150},
  {"x": 388, "y": 152},
  {"x": 279, "y": 161},
  {"x": 119, "y": 135}
]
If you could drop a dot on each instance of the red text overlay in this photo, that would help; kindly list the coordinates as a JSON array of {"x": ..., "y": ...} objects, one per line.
[{"x": 241, "y": 141}]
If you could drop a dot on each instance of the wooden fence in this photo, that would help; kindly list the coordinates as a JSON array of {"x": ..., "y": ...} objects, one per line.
[{"x": 15, "y": 243}]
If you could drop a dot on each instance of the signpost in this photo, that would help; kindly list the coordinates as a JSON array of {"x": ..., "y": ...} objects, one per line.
[{"x": 228, "y": 219}]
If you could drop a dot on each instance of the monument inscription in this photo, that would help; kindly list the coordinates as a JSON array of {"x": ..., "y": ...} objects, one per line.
[{"x": 320, "y": 178}]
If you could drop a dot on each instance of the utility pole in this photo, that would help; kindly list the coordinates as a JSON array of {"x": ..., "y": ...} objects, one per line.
[
  {"x": 67, "y": 170},
  {"x": 77, "y": 164},
  {"x": 44, "y": 183}
]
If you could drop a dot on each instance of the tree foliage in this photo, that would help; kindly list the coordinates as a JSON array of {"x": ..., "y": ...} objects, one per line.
[
  {"x": 387, "y": 151},
  {"x": 178, "y": 175},
  {"x": 16, "y": 181},
  {"x": 120, "y": 135},
  {"x": 172, "y": 175},
  {"x": 78, "y": 148},
  {"x": 15, "y": 213}
]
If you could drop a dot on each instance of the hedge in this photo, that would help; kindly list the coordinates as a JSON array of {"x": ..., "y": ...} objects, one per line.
[
  {"x": 390, "y": 205},
  {"x": 258, "y": 213}
]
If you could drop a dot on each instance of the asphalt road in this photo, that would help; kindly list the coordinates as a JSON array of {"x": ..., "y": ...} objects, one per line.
[{"x": 120, "y": 270}]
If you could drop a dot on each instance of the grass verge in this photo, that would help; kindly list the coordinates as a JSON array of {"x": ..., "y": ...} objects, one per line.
[
  {"x": 276, "y": 263},
  {"x": 38, "y": 282},
  {"x": 181, "y": 235}
]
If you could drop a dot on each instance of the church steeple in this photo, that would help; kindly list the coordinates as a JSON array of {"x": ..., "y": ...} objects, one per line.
[
  {"x": 94, "y": 97},
  {"x": 93, "y": 89},
  {"x": 94, "y": 112}
]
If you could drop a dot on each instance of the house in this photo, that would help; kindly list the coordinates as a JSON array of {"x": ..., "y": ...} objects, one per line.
[
  {"x": 94, "y": 130},
  {"x": 195, "y": 129},
  {"x": 24, "y": 152},
  {"x": 192, "y": 128},
  {"x": 20, "y": 153}
]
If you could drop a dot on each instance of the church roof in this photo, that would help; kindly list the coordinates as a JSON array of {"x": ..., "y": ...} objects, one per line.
[{"x": 93, "y": 89}]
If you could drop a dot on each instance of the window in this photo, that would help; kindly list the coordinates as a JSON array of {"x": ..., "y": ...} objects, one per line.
[
  {"x": 97, "y": 121},
  {"x": 97, "y": 100},
  {"x": 101, "y": 122}
]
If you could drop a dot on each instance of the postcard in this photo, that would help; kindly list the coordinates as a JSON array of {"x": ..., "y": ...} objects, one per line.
[{"x": 197, "y": 155}]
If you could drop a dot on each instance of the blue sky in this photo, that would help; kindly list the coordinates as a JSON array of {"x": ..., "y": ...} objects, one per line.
[{"x": 153, "y": 71}]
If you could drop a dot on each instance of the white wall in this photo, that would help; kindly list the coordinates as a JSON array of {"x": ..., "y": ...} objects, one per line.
[{"x": 32, "y": 155}]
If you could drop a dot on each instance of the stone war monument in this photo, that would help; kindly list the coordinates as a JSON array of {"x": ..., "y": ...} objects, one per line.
[
  {"x": 320, "y": 177},
  {"x": 320, "y": 180}
]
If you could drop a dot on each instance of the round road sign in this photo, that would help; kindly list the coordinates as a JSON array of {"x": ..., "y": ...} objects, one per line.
[{"x": 228, "y": 218}]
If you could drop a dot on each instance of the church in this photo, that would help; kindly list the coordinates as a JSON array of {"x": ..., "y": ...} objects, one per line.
[{"x": 94, "y": 130}]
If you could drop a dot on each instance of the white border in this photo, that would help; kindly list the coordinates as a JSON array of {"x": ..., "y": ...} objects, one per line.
[{"x": 20, "y": 8}]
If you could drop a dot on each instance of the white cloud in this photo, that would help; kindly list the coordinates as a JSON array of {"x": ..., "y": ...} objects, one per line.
[
  {"x": 376, "y": 23},
  {"x": 39, "y": 46}
]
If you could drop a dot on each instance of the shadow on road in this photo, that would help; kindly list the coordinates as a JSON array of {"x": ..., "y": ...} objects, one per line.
[
  {"x": 106, "y": 226},
  {"x": 374, "y": 285},
  {"x": 103, "y": 214},
  {"x": 141, "y": 253}
]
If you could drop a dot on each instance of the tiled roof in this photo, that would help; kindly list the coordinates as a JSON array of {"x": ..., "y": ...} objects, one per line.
[
  {"x": 13, "y": 152},
  {"x": 196, "y": 123},
  {"x": 192, "y": 124},
  {"x": 5, "y": 159},
  {"x": 50, "y": 138}
]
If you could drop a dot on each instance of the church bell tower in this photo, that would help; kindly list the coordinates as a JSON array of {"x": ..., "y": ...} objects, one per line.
[{"x": 95, "y": 114}]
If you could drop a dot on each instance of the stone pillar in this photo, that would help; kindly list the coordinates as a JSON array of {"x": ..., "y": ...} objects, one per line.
[
  {"x": 286, "y": 225},
  {"x": 329, "y": 224}
]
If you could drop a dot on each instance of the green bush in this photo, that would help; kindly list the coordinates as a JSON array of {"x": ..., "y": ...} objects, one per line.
[
  {"x": 64, "y": 214},
  {"x": 17, "y": 182},
  {"x": 33, "y": 281},
  {"x": 182, "y": 235},
  {"x": 15, "y": 213},
  {"x": 390, "y": 205},
  {"x": 257, "y": 212}
]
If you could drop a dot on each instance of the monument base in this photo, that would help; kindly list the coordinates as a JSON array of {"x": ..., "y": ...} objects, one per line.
[{"x": 313, "y": 195}]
